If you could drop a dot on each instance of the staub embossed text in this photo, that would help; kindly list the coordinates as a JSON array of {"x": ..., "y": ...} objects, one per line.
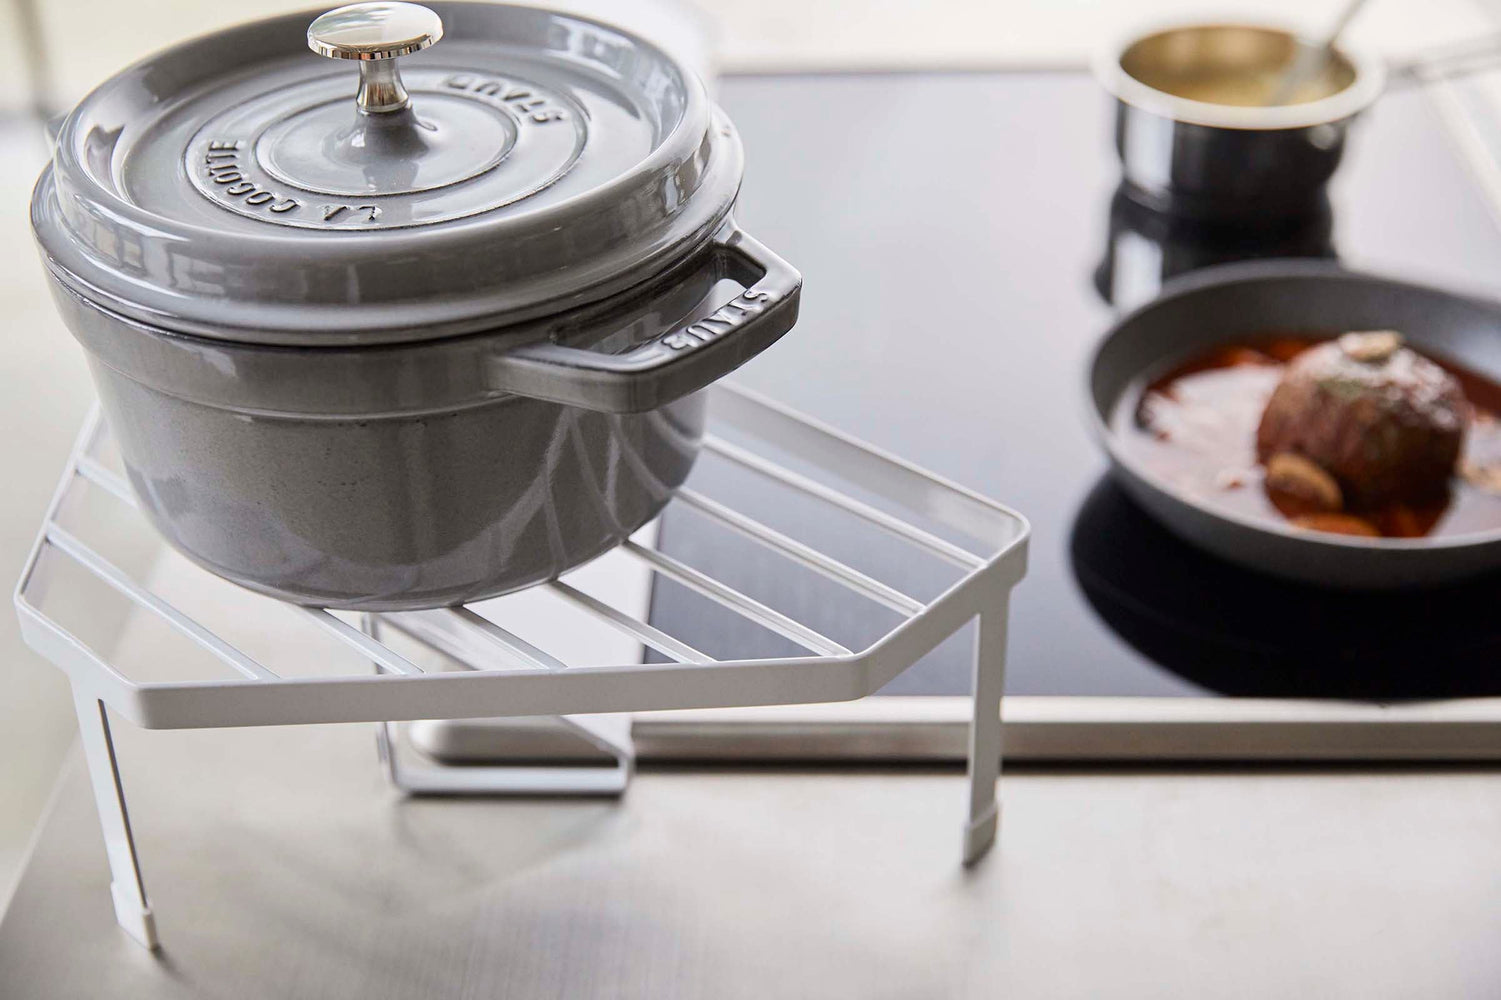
[
  {"x": 519, "y": 97},
  {"x": 724, "y": 319}
]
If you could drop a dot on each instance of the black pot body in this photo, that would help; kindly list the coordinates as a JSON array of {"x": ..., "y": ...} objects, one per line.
[{"x": 1213, "y": 172}]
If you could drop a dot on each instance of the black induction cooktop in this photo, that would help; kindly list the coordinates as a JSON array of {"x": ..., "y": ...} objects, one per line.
[{"x": 964, "y": 244}]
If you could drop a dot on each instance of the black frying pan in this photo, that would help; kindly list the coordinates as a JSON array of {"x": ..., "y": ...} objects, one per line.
[{"x": 1235, "y": 301}]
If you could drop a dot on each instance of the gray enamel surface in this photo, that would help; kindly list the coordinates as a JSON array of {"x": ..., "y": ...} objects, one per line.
[
  {"x": 400, "y": 512},
  {"x": 198, "y": 192}
]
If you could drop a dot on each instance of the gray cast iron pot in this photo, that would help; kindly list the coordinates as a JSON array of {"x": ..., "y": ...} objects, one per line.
[{"x": 474, "y": 372}]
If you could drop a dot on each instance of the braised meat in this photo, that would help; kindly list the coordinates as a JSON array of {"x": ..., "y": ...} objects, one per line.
[{"x": 1384, "y": 422}]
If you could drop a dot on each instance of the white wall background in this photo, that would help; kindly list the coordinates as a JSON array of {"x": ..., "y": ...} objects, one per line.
[{"x": 43, "y": 384}]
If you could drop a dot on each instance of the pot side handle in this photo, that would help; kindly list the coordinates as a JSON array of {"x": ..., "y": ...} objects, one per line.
[{"x": 681, "y": 360}]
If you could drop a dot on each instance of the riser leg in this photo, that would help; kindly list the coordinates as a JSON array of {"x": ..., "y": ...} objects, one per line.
[
  {"x": 127, "y": 888},
  {"x": 985, "y": 729}
]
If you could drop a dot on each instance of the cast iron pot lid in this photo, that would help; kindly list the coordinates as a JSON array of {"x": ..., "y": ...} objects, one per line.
[{"x": 240, "y": 186}]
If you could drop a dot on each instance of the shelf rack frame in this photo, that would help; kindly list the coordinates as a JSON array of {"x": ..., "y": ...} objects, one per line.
[{"x": 506, "y": 676}]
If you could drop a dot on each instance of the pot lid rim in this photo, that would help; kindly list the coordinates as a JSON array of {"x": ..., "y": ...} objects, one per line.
[
  {"x": 698, "y": 138},
  {"x": 297, "y": 332}
]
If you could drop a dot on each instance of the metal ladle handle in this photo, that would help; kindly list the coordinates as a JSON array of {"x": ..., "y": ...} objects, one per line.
[
  {"x": 1312, "y": 61},
  {"x": 376, "y": 34}
]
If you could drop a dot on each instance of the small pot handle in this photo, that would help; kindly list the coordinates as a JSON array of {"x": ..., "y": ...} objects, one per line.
[{"x": 679, "y": 361}]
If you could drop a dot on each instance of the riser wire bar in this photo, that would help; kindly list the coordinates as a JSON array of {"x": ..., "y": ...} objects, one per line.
[
  {"x": 484, "y": 779},
  {"x": 633, "y": 627},
  {"x": 107, "y": 571},
  {"x": 94, "y": 471},
  {"x": 947, "y": 551},
  {"x": 804, "y": 555},
  {"x": 425, "y": 627},
  {"x": 728, "y": 597},
  {"x": 507, "y": 640},
  {"x": 373, "y": 649},
  {"x": 877, "y": 470}
]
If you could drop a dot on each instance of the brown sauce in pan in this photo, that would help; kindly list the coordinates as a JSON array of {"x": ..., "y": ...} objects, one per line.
[{"x": 1195, "y": 428}]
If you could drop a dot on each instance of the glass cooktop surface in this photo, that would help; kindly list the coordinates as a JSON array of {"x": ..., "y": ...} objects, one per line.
[{"x": 958, "y": 236}]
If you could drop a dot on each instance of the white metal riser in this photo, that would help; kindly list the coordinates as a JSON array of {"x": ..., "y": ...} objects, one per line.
[{"x": 505, "y": 675}]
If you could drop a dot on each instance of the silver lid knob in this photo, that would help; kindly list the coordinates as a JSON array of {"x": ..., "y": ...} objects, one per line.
[{"x": 375, "y": 34}]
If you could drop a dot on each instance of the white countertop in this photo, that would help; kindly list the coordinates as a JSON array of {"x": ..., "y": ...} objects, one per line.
[{"x": 281, "y": 865}]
